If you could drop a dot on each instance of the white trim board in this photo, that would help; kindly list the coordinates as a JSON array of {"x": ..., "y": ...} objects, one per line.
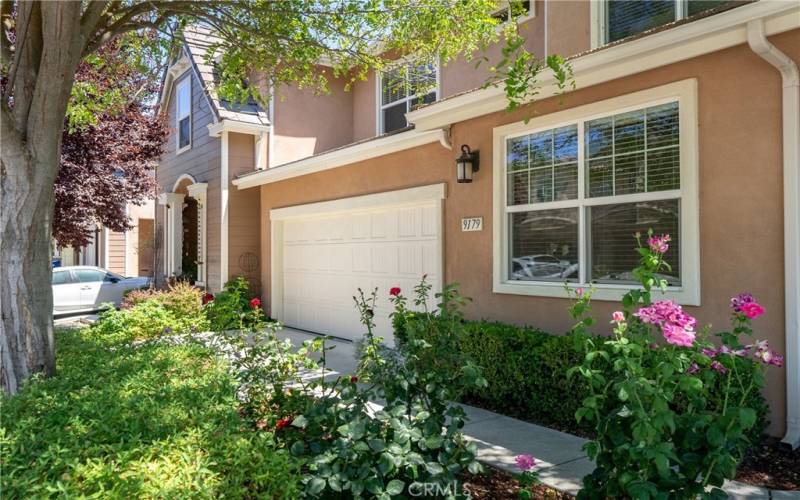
[
  {"x": 223, "y": 230},
  {"x": 685, "y": 92},
  {"x": 693, "y": 39},
  {"x": 227, "y": 125},
  {"x": 344, "y": 156}
]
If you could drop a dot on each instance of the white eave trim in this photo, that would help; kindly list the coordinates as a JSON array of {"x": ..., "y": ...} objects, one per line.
[
  {"x": 345, "y": 156},
  {"x": 216, "y": 129},
  {"x": 177, "y": 69},
  {"x": 696, "y": 38}
]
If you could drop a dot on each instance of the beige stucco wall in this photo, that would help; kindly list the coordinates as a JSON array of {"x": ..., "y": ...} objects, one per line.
[
  {"x": 568, "y": 27},
  {"x": 243, "y": 213},
  {"x": 307, "y": 123},
  {"x": 461, "y": 74},
  {"x": 741, "y": 211}
]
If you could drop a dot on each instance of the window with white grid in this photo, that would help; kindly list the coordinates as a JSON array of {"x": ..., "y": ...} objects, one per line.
[{"x": 574, "y": 192}]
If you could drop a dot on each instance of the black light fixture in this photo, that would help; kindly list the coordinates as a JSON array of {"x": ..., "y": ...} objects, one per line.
[{"x": 466, "y": 164}]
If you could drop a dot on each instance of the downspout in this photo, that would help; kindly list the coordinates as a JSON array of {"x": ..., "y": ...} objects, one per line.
[{"x": 759, "y": 44}]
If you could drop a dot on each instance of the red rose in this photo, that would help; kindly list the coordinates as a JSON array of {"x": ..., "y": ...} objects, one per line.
[
  {"x": 255, "y": 303},
  {"x": 354, "y": 379},
  {"x": 208, "y": 297},
  {"x": 395, "y": 291},
  {"x": 284, "y": 422}
]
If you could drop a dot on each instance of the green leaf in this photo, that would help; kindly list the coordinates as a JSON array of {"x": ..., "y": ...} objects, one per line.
[
  {"x": 434, "y": 469},
  {"x": 386, "y": 463},
  {"x": 748, "y": 417},
  {"x": 298, "y": 448},
  {"x": 377, "y": 445},
  {"x": 395, "y": 487},
  {"x": 300, "y": 421},
  {"x": 715, "y": 436},
  {"x": 316, "y": 485}
]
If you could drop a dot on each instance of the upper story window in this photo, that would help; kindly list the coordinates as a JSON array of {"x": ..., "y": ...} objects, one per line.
[
  {"x": 183, "y": 114},
  {"x": 620, "y": 19},
  {"x": 402, "y": 89},
  {"x": 510, "y": 8},
  {"x": 575, "y": 190}
]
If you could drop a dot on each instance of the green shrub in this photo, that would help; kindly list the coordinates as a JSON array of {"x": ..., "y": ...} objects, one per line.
[
  {"x": 352, "y": 450},
  {"x": 150, "y": 313},
  {"x": 152, "y": 421},
  {"x": 226, "y": 310},
  {"x": 526, "y": 370}
]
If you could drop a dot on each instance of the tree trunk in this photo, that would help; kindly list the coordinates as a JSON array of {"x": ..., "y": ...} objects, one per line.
[
  {"x": 26, "y": 331},
  {"x": 48, "y": 47}
]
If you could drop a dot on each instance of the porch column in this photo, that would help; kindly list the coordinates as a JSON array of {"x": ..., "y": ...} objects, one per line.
[{"x": 173, "y": 232}]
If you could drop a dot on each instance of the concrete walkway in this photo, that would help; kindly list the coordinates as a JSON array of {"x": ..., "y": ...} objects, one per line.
[{"x": 562, "y": 461}]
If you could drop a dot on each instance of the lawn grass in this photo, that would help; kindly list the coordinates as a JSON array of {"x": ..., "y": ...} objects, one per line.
[{"x": 125, "y": 421}]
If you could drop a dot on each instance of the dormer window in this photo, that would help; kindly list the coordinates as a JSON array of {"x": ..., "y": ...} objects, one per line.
[
  {"x": 183, "y": 115},
  {"x": 620, "y": 19},
  {"x": 402, "y": 89}
]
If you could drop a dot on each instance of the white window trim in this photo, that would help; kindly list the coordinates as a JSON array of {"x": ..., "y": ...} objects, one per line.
[
  {"x": 599, "y": 19},
  {"x": 685, "y": 92},
  {"x": 183, "y": 83},
  {"x": 379, "y": 106}
]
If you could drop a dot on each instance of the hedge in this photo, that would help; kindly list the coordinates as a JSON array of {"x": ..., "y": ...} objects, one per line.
[{"x": 526, "y": 370}]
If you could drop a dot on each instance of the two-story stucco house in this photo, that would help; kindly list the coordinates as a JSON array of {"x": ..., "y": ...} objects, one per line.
[{"x": 684, "y": 120}]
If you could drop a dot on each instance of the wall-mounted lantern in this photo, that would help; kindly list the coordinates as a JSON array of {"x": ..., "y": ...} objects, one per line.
[{"x": 466, "y": 164}]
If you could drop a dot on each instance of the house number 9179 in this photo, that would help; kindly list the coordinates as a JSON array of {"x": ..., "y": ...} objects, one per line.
[{"x": 472, "y": 224}]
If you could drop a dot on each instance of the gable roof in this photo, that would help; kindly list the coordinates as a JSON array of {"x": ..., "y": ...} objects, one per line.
[{"x": 193, "y": 49}]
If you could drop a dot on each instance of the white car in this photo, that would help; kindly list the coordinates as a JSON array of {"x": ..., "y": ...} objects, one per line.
[
  {"x": 542, "y": 266},
  {"x": 85, "y": 288}
]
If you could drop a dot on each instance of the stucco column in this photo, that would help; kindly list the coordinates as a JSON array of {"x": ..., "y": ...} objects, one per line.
[{"x": 173, "y": 232}]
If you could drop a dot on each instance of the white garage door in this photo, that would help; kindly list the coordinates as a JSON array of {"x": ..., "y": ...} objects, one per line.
[{"x": 327, "y": 257}]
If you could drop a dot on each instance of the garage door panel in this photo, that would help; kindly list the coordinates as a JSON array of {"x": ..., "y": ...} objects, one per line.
[
  {"x": 384, "y": 259},
  {"x": 408, "y": 222},
  {"x": 430, "y": 218},
  {"x": 410, "y": 260},
  {"x": 384, "y": 225},
  {"x": 326, "y": 258},
  {"x": 361, "y": 226}
]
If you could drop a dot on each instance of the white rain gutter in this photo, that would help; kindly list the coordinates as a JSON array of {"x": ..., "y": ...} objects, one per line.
[{"x": 790, "y": 79}]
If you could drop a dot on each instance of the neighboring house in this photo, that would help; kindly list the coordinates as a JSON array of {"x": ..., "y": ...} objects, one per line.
[
  {"x": 131, "y": 253},
  {"x": 684, "y": 120}
]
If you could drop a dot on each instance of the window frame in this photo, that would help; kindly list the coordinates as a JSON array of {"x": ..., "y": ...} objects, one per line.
[
  {"x": 506, "y": 5},
  {"x": 407, "y": 100},
  {"x": 71, "y": 278},
  {"x": 599, "y": 20},
  {"x": 685, "y": 93},
  {"x": 186, "y": 82}
]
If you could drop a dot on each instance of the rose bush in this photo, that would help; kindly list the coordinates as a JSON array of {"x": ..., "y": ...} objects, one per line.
[
  {"x": 660, "y": 432},
  {"x": 226, "y": 310},
  {"x": 350, "y": 448}
]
